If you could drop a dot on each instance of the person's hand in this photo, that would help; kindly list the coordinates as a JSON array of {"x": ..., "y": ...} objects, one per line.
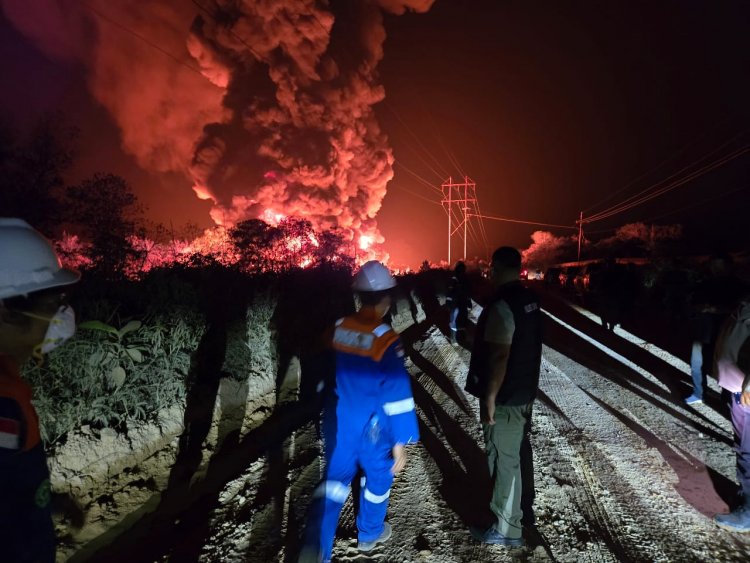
[
  {"x": 745, "y": 399},
  {"x": 399, "y": 458},
  {"x": 487, "y": 411}
]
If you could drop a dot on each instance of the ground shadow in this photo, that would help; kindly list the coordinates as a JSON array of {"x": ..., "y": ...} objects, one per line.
[
  {"x": 591, "y": 357},
  {"x": 695, "y": 478}
]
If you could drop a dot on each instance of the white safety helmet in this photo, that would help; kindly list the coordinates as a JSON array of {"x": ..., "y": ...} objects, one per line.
[
  {"x": 28, "y": 261},
  {"x": 373, "y": 276}
]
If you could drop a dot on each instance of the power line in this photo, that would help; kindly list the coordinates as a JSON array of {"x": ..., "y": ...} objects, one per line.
[
  {"x": 415, "y": 194},
  {"x": 142, "y": 38},
  {"x": 653, "y": 186},
  {"x": 236, "y": 36},
  {"x": 417, "y": 176},
  {"x": 662, "y": 163},
  {"x": 696, "y": 204},
  {"x": 440, "y": 172},
  {"x": 624, "y": 206},
  {"x": 490, "y": 218}
]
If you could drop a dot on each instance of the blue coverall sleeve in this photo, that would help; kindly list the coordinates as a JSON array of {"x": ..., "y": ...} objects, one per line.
[{"x": 398, "y": 401}]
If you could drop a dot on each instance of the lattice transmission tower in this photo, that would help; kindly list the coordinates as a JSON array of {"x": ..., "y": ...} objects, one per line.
[{"x": 459, "y": 194}]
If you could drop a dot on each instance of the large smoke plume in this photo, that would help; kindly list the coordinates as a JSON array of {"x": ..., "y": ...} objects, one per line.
[{"x": 266, "y": 104}]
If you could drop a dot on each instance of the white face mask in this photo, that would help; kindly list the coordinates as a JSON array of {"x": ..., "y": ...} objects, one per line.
[{"x": 62, "y": 326}]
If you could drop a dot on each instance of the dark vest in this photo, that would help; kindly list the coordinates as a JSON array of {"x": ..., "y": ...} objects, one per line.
[{"x": 522, "y": 376}]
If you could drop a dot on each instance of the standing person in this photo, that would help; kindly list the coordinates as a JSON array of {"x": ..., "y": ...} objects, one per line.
[
  {"x": 733, "y": 362},
  {"x": 458, "y": 301},
  {"x": 612, "y": 291},
  {"x": 504, "y": 375},
  {"x": 712, "y": 302},
  {"x": 368, "y": 420},
  {"x": 33, "y": 320}
]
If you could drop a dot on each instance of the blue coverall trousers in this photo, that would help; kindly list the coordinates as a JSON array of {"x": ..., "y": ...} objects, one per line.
[{"x": 344, "y": 457}]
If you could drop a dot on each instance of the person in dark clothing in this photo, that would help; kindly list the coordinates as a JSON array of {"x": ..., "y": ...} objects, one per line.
[
  {"x": 713, "y": 300},
  {"x": 614, "y": 294},
  {"x": 504, "y": 375},
  {"x": 458, "y": 301},
  {"x": 733, "y": 363},
  {"x": 34, "y": 319}
]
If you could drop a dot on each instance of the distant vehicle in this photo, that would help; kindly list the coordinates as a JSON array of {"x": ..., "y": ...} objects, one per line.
[
  {"x": 535, "y": 274},
  {"x": 524, "y": 274}
]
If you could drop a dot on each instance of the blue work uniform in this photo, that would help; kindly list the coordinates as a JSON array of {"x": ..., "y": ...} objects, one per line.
[
  {"x": 26, "y": 530},
  {"x": 369, "y": 410}
]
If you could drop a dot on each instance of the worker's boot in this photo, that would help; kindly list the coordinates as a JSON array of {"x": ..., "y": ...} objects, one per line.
[
  {"x": 736, "y": 521},
  {"x": 384, "y": 536}
]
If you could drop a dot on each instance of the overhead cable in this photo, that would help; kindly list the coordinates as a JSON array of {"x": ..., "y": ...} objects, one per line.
[
  {"x": 669, "y": 187},
  {"x": 142, "y": 38},
  {"x": 652, "y": 170},
  {"x": 490, "y": 218}
]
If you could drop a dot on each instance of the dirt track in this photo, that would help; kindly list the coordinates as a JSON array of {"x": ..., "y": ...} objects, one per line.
[{"x": 624, "y": 470}]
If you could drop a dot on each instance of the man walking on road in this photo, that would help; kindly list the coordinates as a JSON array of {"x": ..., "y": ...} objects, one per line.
[
  {"x": 369, "y": 418},
  {"x": 504, "y": 375}
]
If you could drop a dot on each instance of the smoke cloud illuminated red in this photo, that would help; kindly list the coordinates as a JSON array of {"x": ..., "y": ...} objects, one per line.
[{"x": 266, "y": 105}]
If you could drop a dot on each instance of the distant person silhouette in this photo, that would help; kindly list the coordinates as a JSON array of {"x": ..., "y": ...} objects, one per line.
[
  {"x": 458, "y": 301},
  {"x": 714, "y": 297}
]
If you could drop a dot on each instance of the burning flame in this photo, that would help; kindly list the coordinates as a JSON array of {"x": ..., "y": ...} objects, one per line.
[
  {"x": 272, "y": 218},
  {"x": 365, "y": 242}
]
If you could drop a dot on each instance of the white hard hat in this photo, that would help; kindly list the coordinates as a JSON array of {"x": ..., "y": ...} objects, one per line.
[
  {"x": 28, "y": 261},
  {"x": 373, "y": 276}
]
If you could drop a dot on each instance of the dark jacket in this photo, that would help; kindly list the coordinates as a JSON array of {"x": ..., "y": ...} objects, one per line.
[{"x": 522, "y": 375}]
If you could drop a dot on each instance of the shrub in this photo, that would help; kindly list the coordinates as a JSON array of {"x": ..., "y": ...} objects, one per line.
[{"x": 106, "y": 376}]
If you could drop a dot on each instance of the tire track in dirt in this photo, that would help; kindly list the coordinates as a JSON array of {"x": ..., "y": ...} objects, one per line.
[
  {"x": 660, "y": 524},
  {"x": 603, "y": 516}
]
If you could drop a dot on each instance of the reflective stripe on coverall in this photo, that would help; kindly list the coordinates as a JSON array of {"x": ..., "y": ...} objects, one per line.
[{"x": 370, "y": 410}]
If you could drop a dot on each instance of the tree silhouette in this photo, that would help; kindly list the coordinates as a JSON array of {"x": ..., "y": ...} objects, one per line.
[
  {"x": 105, "y": 212},
  {"x": 253, "y": 239},
  {"x": 31, "y": 174}
]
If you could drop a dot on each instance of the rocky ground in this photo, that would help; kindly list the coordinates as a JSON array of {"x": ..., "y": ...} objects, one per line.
[{"x": 624, "y": 470}]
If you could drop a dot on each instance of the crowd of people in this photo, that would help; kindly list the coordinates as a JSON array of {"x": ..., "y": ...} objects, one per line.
[{"x": 369, "y": 417}]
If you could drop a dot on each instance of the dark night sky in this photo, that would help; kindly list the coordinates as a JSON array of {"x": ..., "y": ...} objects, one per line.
[{"x": 549, "y": 106}]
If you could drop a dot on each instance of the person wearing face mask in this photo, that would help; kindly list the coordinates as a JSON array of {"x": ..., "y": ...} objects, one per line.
[
  {"x": 368, "y": 420},
  {"x": 34, "y": 319}
]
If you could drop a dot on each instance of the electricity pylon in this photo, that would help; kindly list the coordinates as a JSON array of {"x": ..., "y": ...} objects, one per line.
[{"x": 459, "y": 194}]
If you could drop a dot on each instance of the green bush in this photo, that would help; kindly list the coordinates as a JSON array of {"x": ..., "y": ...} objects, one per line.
[{"x": 106, "y": 375}]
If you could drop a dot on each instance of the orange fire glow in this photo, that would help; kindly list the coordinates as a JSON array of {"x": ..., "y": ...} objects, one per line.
[
  {"x": 202, "y": 192},
  {"x": 272, "y": 217}
]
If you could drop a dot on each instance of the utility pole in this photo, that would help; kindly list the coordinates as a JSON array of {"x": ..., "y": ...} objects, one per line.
[
  {"x": 580, "y": 235},
  {"x": 459, "y": 194}
]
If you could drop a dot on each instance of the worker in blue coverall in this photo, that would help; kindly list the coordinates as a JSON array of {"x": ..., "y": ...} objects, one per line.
[
  {"x": 368, "y": 419},
  {"x": 33, "y": 320}
]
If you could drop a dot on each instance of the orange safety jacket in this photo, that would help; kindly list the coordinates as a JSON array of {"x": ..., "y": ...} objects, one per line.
[{"x": 19, "y": 423}]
